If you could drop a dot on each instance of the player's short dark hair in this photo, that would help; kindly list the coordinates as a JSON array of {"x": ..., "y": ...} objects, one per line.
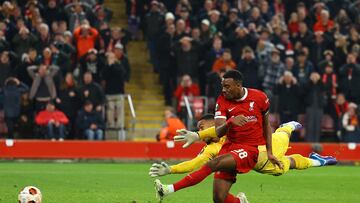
[
  {"x": 235, "y": 75},
  {"x": 207, "y": 117}
]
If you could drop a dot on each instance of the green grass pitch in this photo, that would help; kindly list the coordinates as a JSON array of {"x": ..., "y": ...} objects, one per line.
[{"x": 122, "y": 183}]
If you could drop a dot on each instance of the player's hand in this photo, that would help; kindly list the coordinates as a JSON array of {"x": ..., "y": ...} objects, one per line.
[
  {"x": 159, "y": 169},
  {"x": 239, "y": 120},
  {"x": 186, "y": 136},
  {"x": 275, "y": 161}
]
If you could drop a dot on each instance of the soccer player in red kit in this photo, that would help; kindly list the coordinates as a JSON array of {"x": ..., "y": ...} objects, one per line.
[{"x": 242, "y": 115}]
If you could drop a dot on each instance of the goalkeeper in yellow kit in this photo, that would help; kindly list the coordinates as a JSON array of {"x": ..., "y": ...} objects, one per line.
[{"x": 207, "y": 133}]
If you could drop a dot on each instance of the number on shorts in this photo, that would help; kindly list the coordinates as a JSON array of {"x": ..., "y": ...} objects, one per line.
[{"x": 241, "y": 152}]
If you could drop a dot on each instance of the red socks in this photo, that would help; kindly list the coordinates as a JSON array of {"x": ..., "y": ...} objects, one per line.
[
  {"x": 193, "y": 178},
  {"x": 231, "y": 199}
]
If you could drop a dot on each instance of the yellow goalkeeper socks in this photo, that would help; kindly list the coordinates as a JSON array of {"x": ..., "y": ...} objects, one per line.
[{"x": 302, "y": 162}]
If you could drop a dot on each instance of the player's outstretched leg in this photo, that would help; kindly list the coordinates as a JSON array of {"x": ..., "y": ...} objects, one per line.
[
  {"x": 324, "y": 160},
  {"x": 224, "y": 162},
  {"x": 289, "y": 127}
]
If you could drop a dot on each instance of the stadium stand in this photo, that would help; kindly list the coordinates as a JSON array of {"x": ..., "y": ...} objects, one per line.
[{"x": 303, "y": 54}]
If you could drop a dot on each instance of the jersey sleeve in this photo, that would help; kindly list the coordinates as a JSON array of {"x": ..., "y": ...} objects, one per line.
[
  {"x": 263, "y": 103},
  {"x": 220, "y": 108},
  {"x": 191, "y": 165}
]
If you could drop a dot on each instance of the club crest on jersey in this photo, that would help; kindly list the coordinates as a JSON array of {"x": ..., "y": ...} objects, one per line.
[{"x": 251, "y": 108}]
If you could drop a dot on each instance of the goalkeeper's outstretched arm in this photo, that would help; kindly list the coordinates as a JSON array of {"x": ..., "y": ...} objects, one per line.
[
  {"x": 163, "y": 168},
  {"x": 191, "y": 165},
  {"x": 190, "y": 137}
]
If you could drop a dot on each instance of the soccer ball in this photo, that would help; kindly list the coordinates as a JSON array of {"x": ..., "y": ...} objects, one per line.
[{"x": 30, "y": 194}]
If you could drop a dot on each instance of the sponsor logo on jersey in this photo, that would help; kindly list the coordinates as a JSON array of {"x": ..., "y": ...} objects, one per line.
[{"x": 251, "y": 118}]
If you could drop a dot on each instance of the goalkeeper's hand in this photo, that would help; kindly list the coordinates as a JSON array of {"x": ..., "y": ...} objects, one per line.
[
  {"x": 186, "y": 136},
  {"x": 159, "y": 169}
]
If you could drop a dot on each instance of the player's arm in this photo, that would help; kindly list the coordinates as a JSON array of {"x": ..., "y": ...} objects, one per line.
[
  {"x": 222, "y": 125},
  {"x": 191, "y": 165},
  {"x": 184, "y": 167},
  {"x": 190, "y": 137}
]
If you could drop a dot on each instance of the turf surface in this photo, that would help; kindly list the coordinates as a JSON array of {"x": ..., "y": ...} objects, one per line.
[{"x": 106, "y": 182}]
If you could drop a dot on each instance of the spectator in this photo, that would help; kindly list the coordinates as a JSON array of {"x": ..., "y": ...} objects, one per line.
[
  {"x": 92, "y": 62},
  {"x": 350, "y": 122},
  {"x": 85, "y": 38},
  {"x": 43, "y": 36},
  {"x": 232, "y": 23},
  {"x": 293, "y": 25},
  {"x": 206, "y": 35},
  {"x": 93, "y": 92},
  {"x": 314, "y": 101},
  {"x": 303, "y": 69},
  {"x": 28, "y": 59},
  {"x": 187, "y": 58},
  {"x": 53, "y": 12},
  {"x": 330, "y": 82},
  {"x": 224, "y": 61},
  {"x": 90, "y": 122},
  {"x": 123, "y": 60},
  {"x": 43, "y": 87},
  {"x": 23, "y": 41},
  {"x": 118, "y": 36},
  {"x": 343, "y": 21},
  {"x": 26, "y": 121},
  {"x": 54, "y": 121},
  {"x": 154, "y": 21},
  {"x": 113, "y": 82},
  {"x": 69, "y": 101},
  {"x": 249, "y": 66},
  {"x": 214, "y": 87},
  {"x": 240, "y": 39},
  {"x": 172, "y": 124},
  {"x": 211, "y": 56},
  {"x": 289, "y": 63},
  {"x": 288, "y": 93},
  {"x": 164, "y": 52},
  {"x": 324, "y": 24},
  {"x": 319, "y": 45},
  {"x": 186, "y": 88},
  {"x": 6, "y": 67},
  {"x": 216, "y": 24},
  {"x": 350, "y": 79},
  {"x": 328, "y": 60},
  {"x": 305, "y": 35},
  {"x": 273, "y": 72},
  {"x": 341, "y": 50},
  {"x": 12, "y": 98},
  {"x": 76, "y": 14},
  {"x": 341, "y": 106}
]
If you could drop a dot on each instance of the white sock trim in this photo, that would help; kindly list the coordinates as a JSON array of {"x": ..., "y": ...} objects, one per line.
[
  {"x": 315, "y": 163},
  {"x": 171, "y": 188}
]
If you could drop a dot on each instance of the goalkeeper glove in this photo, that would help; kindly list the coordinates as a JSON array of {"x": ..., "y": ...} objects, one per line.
[
  {"x": 186, "y": 136},
  {"x": 159, "y": 169}
]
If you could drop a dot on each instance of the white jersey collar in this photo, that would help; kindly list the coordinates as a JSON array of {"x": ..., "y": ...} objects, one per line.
[{"x": 245, "y": 95}]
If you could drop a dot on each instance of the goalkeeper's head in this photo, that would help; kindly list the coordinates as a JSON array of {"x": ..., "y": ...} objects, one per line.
[{"x": 205, "y": 122}]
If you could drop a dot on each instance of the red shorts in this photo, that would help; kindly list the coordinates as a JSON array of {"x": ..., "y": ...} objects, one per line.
[{"x": 245, "y": 157}]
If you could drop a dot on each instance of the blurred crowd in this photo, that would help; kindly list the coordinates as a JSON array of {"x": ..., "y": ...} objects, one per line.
[
  {"x": 60, "y": 64},
  {"x": 303, "y": 54}
]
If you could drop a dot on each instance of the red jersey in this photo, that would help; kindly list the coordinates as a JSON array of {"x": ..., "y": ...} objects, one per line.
[{"x": 253, "y": 105}]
